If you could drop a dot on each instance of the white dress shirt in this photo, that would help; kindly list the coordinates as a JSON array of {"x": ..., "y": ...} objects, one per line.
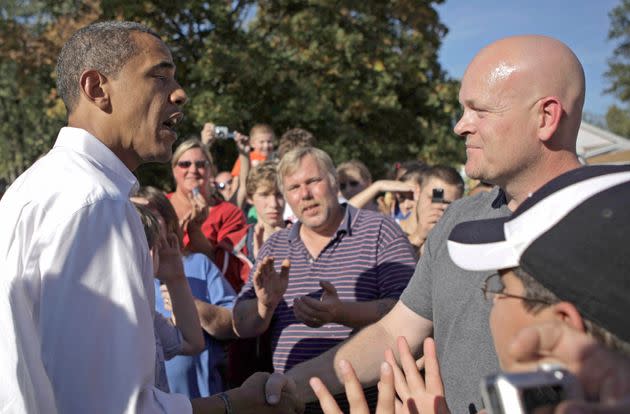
[{"x": 76, "y": 288}]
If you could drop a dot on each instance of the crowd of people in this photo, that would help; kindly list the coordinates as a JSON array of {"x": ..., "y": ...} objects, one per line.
[{"x": 289, "y": 284}]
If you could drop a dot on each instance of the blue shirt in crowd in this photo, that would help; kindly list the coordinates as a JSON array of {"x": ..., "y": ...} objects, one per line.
[{"x": 199, "y": 376}]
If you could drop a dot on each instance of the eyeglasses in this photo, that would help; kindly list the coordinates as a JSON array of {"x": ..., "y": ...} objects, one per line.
[
  {"x": 342, "y": 186},
  {"x": 223, "y": 186},
  {"x": 493, "y": 286},
  {"x": 198, "y": 164}
]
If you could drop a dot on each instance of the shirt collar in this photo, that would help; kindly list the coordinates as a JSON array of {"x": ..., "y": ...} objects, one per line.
[
  {"x": 345, "y": 226},
  {"x": 86, "y": 144},
  {"x": 500, "y": 200}
]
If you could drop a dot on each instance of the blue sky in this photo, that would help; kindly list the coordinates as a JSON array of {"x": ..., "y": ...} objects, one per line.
[{"x": 581, "y": 24}]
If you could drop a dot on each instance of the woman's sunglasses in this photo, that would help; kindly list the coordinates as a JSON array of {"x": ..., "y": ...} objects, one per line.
[{"x": 198, "y": 164}]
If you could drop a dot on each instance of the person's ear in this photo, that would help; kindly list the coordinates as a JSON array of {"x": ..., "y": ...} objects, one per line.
[
  {"x": 550, "y": 114},
  {"x": 568, "y": 313},
  {"x": 94, "y": 88}
]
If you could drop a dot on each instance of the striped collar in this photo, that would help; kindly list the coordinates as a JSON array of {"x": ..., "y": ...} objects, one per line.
[{"x": 345, "y": 227}]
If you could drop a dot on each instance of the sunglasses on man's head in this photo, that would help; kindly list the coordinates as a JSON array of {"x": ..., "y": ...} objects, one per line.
[
  {"x": 198, "y": 164},
  {"x": 343, "y": 186}
]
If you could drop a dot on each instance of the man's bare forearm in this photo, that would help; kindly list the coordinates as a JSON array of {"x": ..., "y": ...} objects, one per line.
[
  {"x": 365, "y": 351},
  {"x": 357, "y": 315},
  {"x": 251, "y": 318},
  {"x": 215, "y": 320}
]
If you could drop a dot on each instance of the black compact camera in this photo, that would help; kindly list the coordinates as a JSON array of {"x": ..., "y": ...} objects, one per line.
[
  {"x": 524, "y": 392},
  {"x": 438, "y": 195},
  {"x": 222, "y": 132}
]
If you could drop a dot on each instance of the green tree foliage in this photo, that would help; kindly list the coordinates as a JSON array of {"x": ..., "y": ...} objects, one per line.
[
  {"x": 362, "y": 75},
  {"x": 618, "y": 118}
]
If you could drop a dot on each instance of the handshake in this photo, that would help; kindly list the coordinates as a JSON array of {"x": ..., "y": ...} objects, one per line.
[{"x": 279, "y": 395}]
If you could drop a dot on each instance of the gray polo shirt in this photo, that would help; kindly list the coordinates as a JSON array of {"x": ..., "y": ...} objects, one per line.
[{"x": 451, "y": 297}]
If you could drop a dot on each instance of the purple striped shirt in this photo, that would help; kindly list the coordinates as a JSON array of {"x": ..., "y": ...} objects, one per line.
[{"x": 369, "y": 258}]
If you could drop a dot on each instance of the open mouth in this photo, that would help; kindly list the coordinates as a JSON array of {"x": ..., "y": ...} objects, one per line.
[
  {"x": 172, "y": 121},
  {"x": 308, "y": 209}
]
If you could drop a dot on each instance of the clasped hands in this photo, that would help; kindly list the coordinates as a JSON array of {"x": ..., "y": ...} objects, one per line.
[{"x": 270, "y": 287}]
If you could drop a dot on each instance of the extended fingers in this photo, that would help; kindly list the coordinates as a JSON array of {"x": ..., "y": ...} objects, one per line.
[
  {"x": 326, "y": 400},
  {"x": 433, "y": 377},
  {"x": 284, "y": 269},
  {"x": 400, "y": 383},
  {"x": 408, "y": 363},
  {"x": 386, "y": 393},
  {"x": 262, "y": 271},
  {"x": 354, "y": 390}
]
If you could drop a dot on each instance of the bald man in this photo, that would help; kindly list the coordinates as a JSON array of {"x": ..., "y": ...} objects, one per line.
[{"x": 522, "y": 99}]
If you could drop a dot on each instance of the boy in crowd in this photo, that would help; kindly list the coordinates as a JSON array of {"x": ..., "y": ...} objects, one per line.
[
  {"x": 261, "y": 139},
  {"x": 430, "y": 207},
  {"x": 182, "y": 334},
  {"x": 354, "y": 177},
  {"x": 266, "y": 198}
]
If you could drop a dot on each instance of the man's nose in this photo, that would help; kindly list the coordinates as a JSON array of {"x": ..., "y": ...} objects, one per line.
[
  {"x": 178, "y": 96},
  {"x": 305, "y": 192},
  {"x": 463, "y": 127}
]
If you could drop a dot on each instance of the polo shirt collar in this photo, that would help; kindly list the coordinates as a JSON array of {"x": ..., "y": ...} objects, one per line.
[
  {"x": 500, "y": 200},
  {"x": 87, "y": 145},
  {"x": 345, "y": 226}
]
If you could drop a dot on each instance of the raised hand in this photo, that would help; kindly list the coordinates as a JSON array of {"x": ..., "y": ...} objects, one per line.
[
  {"x": 207, "y": 134},
  {"x": 242, "y": 143},
  {"x": 170, "y": 266},
  {"x": 386, "y": 397},
  {"x": 198, "y": 209},
  {"x": 316, "y": 313},
  {"x": 418, "y": 395},
  {"x": 270, "y": 285},
  {"x": 427, "y": 219}
]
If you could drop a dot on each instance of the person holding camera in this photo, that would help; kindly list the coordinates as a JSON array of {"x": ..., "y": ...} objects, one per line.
[
  {"x": 253, "y": 150},
  {"x": 261, "y": 142},
  {"x": 440, "y": 185}
]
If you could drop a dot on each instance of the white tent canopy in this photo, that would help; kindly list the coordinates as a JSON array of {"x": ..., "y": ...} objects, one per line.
[{"x": 593, "y": 143}]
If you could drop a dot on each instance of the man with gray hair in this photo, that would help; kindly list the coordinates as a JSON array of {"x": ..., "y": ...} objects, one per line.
[
  {"x": 76, "y": 295},
  {"x": 343, "y": 268}
]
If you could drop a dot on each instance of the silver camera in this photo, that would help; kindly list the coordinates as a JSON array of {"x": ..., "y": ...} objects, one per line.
[
  {"x": 222, "y": 132},
  {"x": 524, "y": 392}
]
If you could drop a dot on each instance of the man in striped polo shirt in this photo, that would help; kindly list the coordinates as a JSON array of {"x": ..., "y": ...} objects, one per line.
[{"x": 342, "y": 268}]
